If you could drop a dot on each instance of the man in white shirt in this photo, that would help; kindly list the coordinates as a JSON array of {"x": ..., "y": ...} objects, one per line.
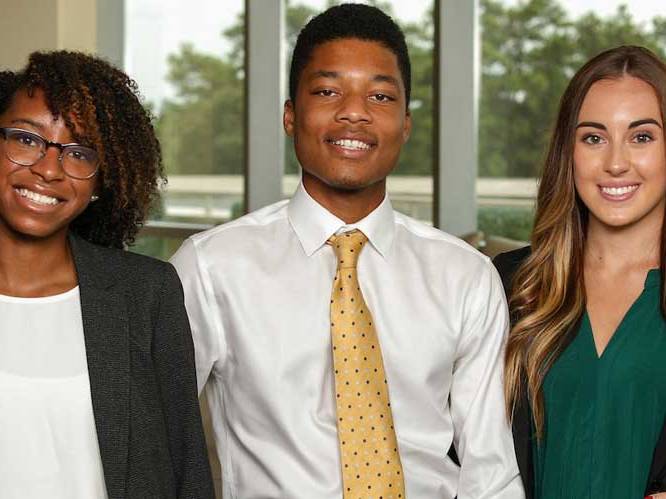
[{"x": 291, "y": 418}]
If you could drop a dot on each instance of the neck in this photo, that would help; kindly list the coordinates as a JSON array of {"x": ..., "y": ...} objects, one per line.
[
  {"x": 636, "y": 246},
  {"x": 349, "y": 205},
  {"x": 33, "y": 267}
]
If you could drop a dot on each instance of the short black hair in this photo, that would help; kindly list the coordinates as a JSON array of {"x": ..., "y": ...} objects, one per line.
[{"x": 350, "y": 20}]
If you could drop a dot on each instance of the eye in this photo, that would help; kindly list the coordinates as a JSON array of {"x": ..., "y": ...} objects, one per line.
[
  {"x": 325, "y": 92},
  {"x": 382, "y": 98},
  {"x": 83, "y": 154},
  {"x": 643, "y": 137},
  {"x": 593, "y": 139},
  {"x": 26, "y": 139}
]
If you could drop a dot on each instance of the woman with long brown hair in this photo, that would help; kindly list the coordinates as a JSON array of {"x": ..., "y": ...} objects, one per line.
[{"x": 585, "y": 377}]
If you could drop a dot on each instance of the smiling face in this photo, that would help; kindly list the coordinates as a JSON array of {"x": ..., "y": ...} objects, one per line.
[
  {"x": 619, "y": 154},
  {"x": 39, "y": 201},
  {"x": 349, "y": 120}
]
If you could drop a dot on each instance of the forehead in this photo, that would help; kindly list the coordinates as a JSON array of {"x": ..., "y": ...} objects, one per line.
[
  {"x": 31, "y": 108},
  {"x": 352, "y": 55},
  {"x": 23, "y": 103},
  {"x": 626, "y": 97}
]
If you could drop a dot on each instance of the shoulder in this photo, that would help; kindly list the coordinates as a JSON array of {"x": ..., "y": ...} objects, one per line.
[
  {"x": 507, "y": 263},
  {"x": 463, "y": 276},
  {"x": 105, "y": 265},
  {"x": 240, "y": 234},
  {"x": 438, "y": 246}
]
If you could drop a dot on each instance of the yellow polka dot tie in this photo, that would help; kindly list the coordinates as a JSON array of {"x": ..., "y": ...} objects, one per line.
[{"x": 370, "y": 460}]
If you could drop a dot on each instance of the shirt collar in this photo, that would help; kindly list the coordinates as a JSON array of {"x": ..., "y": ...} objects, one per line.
[{"x": 314, "y": 224}]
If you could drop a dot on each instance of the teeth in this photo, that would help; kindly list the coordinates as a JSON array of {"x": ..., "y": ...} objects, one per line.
[
  {"x": 619, "y": 191},
  {"x": 37, "y": 198},
  {"x": 351, "y": 144}
]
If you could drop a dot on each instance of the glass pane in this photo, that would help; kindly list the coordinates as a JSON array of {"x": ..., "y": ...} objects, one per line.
[
  {"x": 188, "y": 60},
  {"x": 530, "y": 51},
  {"x": 410, "y": 185},
  {"x": 157, "y": 246}
]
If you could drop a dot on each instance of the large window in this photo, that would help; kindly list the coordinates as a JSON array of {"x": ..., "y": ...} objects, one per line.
[
  {"x": 189, "y": 64},
  {"x": 530, "y": 51},
  {"x": 411, "y": 184}
]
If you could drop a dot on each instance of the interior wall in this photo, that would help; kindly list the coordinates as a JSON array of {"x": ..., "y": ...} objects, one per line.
[
  {"x": 93, "y": 26},
  {"x": 26, "y": 26}
]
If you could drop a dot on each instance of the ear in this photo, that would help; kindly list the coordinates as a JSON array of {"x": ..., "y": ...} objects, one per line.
[
  {"x": 407, "y": 127},
  {"x": 288, "y": 118}
]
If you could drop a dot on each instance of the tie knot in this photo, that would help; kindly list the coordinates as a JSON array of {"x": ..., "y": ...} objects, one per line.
[{"x": 347, "y": 247}]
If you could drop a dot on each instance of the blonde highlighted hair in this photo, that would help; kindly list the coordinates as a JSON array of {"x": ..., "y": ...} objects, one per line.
[{"x": 547, "y": 295}]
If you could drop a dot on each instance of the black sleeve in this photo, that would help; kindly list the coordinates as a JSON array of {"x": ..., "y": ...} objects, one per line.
[
  {"x": 507, "y": 264},
  {"x": 173, "y": 355},
  {"x": 657, "y": 478}
]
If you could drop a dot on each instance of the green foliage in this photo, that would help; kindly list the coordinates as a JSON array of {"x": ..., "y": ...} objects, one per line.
[
  {"x": 417, "y": 155},
  {"x": 157, "y": 247},
  {"x": 530, "y": 49},
  {"x": 513, "y": 222},
  {"x": 201, "y": 130}
]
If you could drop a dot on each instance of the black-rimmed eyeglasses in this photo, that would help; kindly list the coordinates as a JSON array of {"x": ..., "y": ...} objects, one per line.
[{"x": 27, "y": 148}]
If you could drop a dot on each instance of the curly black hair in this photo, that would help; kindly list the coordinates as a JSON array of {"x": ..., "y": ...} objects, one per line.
[
  {"x": 350, "y": 20},
  {"x": 104, "y": 102}
]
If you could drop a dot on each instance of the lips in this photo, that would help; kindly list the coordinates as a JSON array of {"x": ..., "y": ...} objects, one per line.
[
  {"x": 618, "y": 192},
  {"x": 353, "y": 144},
  {"x": 36, "y": 197}
]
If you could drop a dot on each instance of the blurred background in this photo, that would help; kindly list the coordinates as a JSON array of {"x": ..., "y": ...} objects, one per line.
[{"x": 487, "y": 78}]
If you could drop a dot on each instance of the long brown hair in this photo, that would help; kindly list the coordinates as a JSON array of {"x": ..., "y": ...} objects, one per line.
[{"x": 548, "y": 294}]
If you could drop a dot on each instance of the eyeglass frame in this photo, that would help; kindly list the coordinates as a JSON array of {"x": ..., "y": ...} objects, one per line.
[{"x": 47, "y": 144}]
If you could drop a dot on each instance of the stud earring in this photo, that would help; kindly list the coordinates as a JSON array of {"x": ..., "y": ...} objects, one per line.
[{"x": 94, "y": 197}]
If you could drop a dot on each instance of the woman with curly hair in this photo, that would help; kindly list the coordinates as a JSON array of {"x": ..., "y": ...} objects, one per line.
[
  {"x": 98, "y": 393},
  {"x": 585, "y": 376}
]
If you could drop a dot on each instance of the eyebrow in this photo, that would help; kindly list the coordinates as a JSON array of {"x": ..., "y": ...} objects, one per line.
[
  {"x": 645, "y": 121},
  {"x": 26, "y": 121},
  {"x": 386, "y": 79},
  {"x": 633, "y": 124},
  {"x": 591, "y": 124},
  {"x": 324, "y": 74},
  {"x": 379, "y": 78}
]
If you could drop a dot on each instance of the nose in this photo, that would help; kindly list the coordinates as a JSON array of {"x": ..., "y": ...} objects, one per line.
[
  {"x": 353, "y": 109},
  {"x": 49, "y": 167},
  {"x": 618, "y": 161}
]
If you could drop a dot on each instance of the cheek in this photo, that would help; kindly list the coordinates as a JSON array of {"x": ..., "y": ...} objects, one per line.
[
  {"x": 306, "y": 130},
  {"x": 399, "y": 128},
  {"x": 84, "y": 191},
  {"x": 584, "y": 184},
  {"x": 652, "y": 164},
  {"x": 586, "y": 166}
]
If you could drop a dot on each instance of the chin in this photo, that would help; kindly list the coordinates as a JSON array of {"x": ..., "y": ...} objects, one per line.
[
  {"x": 349, "y": 185},
  {"x": 619, "y": 222},
  {"x": 352, "y": 182},
  {"x": 33, "y": 231}
]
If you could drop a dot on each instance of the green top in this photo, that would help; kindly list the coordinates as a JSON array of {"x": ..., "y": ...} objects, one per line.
[{"x": 604, "y": 414}]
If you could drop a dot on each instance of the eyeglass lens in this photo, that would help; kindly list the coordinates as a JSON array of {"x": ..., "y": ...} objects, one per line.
[{"x": 26, "y": 149}]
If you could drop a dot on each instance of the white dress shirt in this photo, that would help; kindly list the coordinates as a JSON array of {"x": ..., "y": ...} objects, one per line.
[
  {"x": 48, "y": 442},
  {"x": 258, "y": 290}
]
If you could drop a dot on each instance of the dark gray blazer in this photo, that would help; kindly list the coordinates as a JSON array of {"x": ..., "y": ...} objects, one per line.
[{"x": 142, "y": 377}]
